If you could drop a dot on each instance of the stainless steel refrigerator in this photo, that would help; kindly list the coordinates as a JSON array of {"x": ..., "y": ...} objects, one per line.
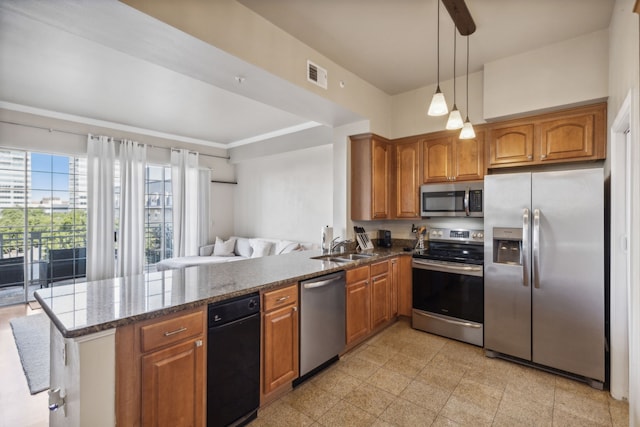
[{"x": 544, "y": 279}]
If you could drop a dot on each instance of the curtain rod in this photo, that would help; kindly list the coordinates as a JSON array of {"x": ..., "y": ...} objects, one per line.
[{"x": 115, "y": 139}]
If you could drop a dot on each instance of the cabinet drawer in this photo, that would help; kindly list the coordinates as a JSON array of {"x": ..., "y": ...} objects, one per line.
[
  {"x": 280, "y": 297},
  {"x": 171, "y": 331},
  {"x": 379, "y": 268},
  {"x": 358, "y": 274}
]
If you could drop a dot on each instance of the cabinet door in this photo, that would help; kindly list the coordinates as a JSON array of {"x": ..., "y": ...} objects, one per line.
[
  {"x": 380, "y": 300},
  {"x": 437, "y": 155},
  {"x": 280, "y": 347},
  {"x": 408, "y": 180},
  {"x": 568, "y": 138},
  {"x": 173, "y": 383},
  {"x": 394, "y": 278},
  {"x": 405, "y": 285},
  {"x": 381, "y": 173},
  {"x": 512, "y": 144},
  {"x": 358, "y": 314},
  {"x": 468, "y": 159}
]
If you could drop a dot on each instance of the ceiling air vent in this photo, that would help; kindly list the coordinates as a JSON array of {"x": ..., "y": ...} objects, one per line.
[{"x": 316, "y": 75}]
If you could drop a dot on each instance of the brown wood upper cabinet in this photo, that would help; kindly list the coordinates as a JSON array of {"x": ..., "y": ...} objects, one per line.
[
  {"x": 446, "y": 158},
  {"x": 572, "y": 135},
  {"x": 371, "y": 169},
  {"x": 407, "y": 179}
]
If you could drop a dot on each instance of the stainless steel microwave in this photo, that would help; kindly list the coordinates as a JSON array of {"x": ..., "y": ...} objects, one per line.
[{"x": 452, "y": 199}]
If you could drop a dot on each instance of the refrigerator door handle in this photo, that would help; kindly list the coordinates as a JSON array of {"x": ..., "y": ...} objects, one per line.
[
  {"x": 466, "y": 201},
  {"x": 525, "y": 247},
  {"x": 536, "y": 248}
]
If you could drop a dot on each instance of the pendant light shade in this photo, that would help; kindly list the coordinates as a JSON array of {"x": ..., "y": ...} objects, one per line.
[
  {"x": 467, "y": 131},
  {"x": 438, "y": 106},
  {"x": 455, "y": 118}
]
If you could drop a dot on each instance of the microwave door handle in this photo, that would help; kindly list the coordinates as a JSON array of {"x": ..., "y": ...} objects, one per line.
[
  {"x": 524, "y": 253},
  {"x": 466, "y": 201}
]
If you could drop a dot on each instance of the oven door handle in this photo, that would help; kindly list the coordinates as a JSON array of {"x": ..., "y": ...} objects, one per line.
[
  {"x": 421, "y": 264},
  {"x": 453, "y": 322}
]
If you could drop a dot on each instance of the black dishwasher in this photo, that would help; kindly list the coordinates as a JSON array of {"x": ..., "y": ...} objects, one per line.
[{"x": 233, "y": 361}]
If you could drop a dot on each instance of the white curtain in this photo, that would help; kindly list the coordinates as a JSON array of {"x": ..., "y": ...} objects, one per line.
[
  {"x": 100, "y": 162},
  {"x": 204, "y": 184},
  {"x": 131, "y": 225},
  {"x": 184, "y": 186}
]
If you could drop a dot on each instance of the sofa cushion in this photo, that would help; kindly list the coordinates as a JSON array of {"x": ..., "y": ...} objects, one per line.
[
  {"x": 260, "y": 248},
  {"x": 243, "y": 247},
  {"x": 286, "y": 246},
  {"x": 206, "y": 250},
  {"x": 224, "y": 248}
]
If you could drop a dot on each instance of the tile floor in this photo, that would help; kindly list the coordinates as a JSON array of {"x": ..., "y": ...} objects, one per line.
[
  {"x": 401, "y": 377},
  {"x": 17, "y": 407},
  {"x": 404, "y": 377}
]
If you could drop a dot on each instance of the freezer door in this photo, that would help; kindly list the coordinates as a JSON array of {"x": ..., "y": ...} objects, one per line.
[
  {"x": 568, "y": 271},
  {"x": 507, "y": 291}
]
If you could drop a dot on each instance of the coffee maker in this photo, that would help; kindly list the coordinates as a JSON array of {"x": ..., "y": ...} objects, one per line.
[{"x": 384, "y": 238}]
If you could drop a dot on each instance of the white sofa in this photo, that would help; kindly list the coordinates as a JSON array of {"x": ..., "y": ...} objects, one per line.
[{"x": 235, "y": 249}]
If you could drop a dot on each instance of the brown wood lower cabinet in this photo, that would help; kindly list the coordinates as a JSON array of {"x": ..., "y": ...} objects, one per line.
[
  {"x": 160, "y": 371},
  {"x": 405, "y": 286},
  {"x": 280, "y": 353},
  {"x": 171, "y": 388},
  {"x": 374, "y": 297},
  {"x": 380, "y": 294},
  {"x": 358, "y": 304}
]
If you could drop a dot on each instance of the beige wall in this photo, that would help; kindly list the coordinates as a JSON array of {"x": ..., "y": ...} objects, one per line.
[
  {"x": 568, "y": 73},
  {"x": 237, "y": 30}
]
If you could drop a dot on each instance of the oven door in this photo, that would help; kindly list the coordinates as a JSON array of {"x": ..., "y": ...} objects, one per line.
[{"x": 448, "y": 299}]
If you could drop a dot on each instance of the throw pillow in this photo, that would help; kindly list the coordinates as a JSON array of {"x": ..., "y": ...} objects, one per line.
[
  {"x": 243, "y": 247},
  {"x": 224, "y": 248},
  {"x": 260, "y": 248}
]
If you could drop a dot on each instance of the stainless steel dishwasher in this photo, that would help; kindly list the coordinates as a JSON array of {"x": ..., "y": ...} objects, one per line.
[{"x": 322, "y": 322}]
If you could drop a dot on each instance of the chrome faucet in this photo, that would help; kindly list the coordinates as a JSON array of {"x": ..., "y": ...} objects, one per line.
[{"x": 335, "y": 244}]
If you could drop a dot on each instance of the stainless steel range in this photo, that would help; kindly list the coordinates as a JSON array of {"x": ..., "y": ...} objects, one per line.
[{"x": 448, "y": 285}]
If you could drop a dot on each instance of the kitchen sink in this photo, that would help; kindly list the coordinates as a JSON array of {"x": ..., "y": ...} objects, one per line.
[
  {"x": 354, "y": 257},
  {"x": 344, "y": 257}
]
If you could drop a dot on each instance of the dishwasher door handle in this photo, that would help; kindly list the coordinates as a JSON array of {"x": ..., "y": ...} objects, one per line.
[{"x": 321, "y": 283}]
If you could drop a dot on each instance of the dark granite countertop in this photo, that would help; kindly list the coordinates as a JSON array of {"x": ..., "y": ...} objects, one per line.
[{"x": 84, "y": 308}]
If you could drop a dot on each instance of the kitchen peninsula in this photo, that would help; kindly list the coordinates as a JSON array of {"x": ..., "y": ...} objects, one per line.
[{"x": 95, "y": 372}]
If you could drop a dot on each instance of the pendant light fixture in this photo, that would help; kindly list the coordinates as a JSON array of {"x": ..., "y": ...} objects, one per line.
[
  {"x": 455, "y": 118},
  {"x": 438, "y": 106},
  {"x": 467, "y": 131}
]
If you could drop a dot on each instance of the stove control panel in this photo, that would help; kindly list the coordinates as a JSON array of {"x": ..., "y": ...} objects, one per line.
[{"x": 457, "y": 235}]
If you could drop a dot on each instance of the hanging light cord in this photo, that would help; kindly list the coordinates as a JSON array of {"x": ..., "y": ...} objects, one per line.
[
  {"x": 467, "y": 78},
  {"x": 454, "y": 65},
  {"x": 438, "y": 39}
]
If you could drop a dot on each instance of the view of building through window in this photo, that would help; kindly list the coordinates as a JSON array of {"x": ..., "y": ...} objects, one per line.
[{"x": 43, "y": 221}]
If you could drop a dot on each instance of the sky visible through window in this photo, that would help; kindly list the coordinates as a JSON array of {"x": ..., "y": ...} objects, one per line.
[{"x": 49, "y": 177}]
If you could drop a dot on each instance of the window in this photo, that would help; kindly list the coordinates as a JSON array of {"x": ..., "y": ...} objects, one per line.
[
  {"x": 158, "y": 214},
  {"x": 43, "y": 220},
  {"x": 43, "y": 214}
]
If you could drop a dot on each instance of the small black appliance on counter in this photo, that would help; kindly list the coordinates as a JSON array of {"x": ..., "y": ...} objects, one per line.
[{"x": 384, "y": 238}]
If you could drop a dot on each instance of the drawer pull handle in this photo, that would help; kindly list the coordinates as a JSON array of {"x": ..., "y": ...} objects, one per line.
[
  {"x": 281, "y": 299},
  {"x": 177, "y": 331}
]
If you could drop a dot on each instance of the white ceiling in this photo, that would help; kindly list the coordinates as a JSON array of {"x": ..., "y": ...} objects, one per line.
[{"x": 102, "y": 60}]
